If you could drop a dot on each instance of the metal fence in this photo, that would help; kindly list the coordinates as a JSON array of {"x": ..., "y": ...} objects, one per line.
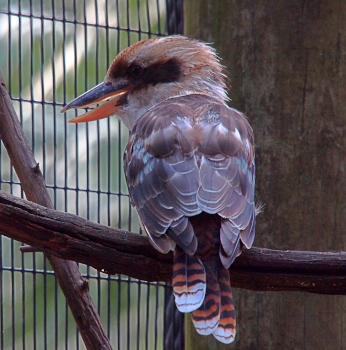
[{"x": 50, "y": 52}]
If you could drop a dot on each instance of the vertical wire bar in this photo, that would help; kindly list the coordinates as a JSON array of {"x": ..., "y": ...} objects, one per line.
[
  {"x": 88, "y": 168},
  {"x": 120, "y": 194},
  {"x": 138, "y": 313},
  {"x": 56, "y": 309},
  {"x": 128, "y": 279},
  {"x": 65, "y": 159},
  {"x": 130, "y": 215},
  {"x": 128, "y": 311},
  {"x": 34, "y": 305},
  {"x": 9, "y": 83},
  {"x": 128, "y": 23},
  {"x": 44, "y": 170},
  {"x": 76, "y": 130},
  {"x": 45, "y": 280},
  {"x": 13, "y": 298},
  {"x": 32, "y": 113},
  {"x": 33, "y": 148},
  {"x": 20, "y": 73},
  {"x": 66, "y": 326},
  {"x": 147, "y": 284},
  {"x": 157, "y": 288},
  {"x": 159, "y": 31},
  {"x": 147, "y": 316},
  {"x": 23, "y": 301},
  {"x": 109, "y": 280},
  {"x": 148, "y": 19},
  {"x": 108, "y": 307},
  {"x": 87, "y": 125},
  {"x": 119, "y": 313},
  {"x": 98, "y": 152},
  {"x": 13, "y": 274},
  {"x": 43, "y": 110},
  {"x": 45, "y": 304},
  {"x": 88, "y": 163},
  {"x": 139, "y": 19},
  {"x": 64, "y": 101},
  {"x": 56, "y": 292},
  {"x": 118, "y": 276}
]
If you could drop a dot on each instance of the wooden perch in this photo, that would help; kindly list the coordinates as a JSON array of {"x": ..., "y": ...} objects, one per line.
[{"x": 116, "y": 251}]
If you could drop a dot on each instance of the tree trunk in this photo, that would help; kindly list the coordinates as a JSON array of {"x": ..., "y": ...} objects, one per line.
[{"x": 286, "y": 61}]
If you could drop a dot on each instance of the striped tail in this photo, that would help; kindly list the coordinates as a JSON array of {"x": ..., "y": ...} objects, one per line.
[
  {"x": 226, "y": 329},
  {"x": 206, "y": 318},
  {"x": 204, "y": 289},
  {"x": 189, "y": 281}
]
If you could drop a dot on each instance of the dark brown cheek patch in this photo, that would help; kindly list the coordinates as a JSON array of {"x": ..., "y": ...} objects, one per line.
[{"x": 162, "y": 72}]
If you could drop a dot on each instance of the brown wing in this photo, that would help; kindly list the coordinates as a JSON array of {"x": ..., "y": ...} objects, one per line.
[
  {"x": 187, "y": 155},
  {"x": 227, "y": 175},
  {"x": 162, "y": 174}
]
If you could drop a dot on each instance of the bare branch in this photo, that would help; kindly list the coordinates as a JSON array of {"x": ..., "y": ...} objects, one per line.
[{"x": 116, "y": 251}]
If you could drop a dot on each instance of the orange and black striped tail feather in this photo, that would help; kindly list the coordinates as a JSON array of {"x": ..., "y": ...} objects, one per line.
[
  {"x": 203, "y": 288},
  {"x": 206, "y": 318},
  {"x": 189, "y": 281},
  {"x": 226, "y": 329}
]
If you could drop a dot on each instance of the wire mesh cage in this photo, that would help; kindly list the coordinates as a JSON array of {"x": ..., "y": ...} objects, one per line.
[{"x": 50, "y": 52}]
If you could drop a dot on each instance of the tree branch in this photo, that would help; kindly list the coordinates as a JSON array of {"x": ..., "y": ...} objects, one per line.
[
  {"x": 117, "y": 251},
  {"x": 67, "y": 272}
]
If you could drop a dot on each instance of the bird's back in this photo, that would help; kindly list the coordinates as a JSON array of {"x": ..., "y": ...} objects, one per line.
[{"x": 189, "y": 166}]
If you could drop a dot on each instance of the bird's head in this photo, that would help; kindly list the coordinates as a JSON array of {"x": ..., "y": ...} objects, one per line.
[{"x": 149, "y": 72}]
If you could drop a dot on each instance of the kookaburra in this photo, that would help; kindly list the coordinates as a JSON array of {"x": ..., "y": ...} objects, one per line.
[{"x": 189, "y": 166}]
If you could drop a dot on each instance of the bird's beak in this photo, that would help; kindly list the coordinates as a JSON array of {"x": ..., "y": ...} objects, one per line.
[{"x": 112, "y": 92}]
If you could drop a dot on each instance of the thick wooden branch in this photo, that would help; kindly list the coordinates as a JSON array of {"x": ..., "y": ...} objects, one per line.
[
  {"x": 67, "y": 272},
  {"x": 116, "y": 251}
]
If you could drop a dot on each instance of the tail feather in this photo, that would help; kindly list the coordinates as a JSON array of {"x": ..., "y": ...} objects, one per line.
[
  {"x": 226, "y": 329},
  {"x": 201, "y": 282},
  {"x": 207, "y": 316},
  {"x": 189, "y": 281}
]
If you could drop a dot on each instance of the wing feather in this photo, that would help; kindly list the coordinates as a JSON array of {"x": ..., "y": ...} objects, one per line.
[
  {"x": 227, "y": 176},
  {"x": 162, "y": 173},
  {"x": 187, "y": 155}
]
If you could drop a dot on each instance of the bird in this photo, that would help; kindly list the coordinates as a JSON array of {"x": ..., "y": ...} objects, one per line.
[{"x": 189, "y": 165}]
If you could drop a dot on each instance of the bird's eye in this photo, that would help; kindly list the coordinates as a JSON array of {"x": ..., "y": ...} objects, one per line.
[{"x": 136, "y": 71}]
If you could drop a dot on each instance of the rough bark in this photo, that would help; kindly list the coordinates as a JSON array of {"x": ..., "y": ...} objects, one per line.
[
  {"x": 67, "y": 272},
  {"x": 286, "y": 62}
]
